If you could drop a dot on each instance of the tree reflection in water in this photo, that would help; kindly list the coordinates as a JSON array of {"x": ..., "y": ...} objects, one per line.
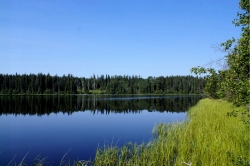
[{"x": 45, "y": 105}]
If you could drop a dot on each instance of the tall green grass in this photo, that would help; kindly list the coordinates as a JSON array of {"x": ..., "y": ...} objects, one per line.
[{"x": 214, "y": 133}]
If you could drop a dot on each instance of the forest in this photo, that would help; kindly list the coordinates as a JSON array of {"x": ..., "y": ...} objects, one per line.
[{"x": 104, "y": 84}]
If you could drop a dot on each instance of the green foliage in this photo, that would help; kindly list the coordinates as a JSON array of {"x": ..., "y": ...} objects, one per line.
[
  {"x": 46, "y": 84},
  {"x": 234, "y": 82},
  {"x": 198, "y": 70},
  {"x": 37, "y": 84},
  {"x": 211, "y": 88}
]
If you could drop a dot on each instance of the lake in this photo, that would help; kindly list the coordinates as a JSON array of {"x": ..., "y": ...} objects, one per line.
[{"x": 51, "y": 126}]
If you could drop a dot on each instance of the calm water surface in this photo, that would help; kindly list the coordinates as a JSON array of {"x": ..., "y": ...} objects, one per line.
[{"x": 51, "y": 126}]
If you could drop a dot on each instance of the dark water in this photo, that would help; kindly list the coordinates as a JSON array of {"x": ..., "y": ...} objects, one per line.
[{"x": 51, "y": 126}]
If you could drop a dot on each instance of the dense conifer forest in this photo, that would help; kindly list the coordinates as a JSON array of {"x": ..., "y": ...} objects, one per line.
[{"x": 104, "y": 84}]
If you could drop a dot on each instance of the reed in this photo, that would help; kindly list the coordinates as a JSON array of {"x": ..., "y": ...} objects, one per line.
[{"x": 214, "y": 133}]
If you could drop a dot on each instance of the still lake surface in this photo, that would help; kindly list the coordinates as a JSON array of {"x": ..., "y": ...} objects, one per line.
[{"x": 51, "y": 126}]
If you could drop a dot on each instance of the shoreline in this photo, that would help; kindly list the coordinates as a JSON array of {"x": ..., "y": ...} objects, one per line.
[{"x": 214, "y": 133}]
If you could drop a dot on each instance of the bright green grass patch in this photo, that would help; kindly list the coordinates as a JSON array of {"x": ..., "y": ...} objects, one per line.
[
  {"x": 97, "y": 91},
  {"x": 215, "y": 133}
]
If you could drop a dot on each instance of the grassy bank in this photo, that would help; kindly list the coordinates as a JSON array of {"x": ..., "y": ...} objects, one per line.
[{"x": 215, "y": 133}]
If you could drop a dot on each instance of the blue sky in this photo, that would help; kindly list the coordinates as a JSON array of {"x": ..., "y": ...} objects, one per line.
[{"x": 132, "y": 37}]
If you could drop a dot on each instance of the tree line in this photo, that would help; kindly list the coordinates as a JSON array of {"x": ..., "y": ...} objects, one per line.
[{"x": 106, "y": 84}]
